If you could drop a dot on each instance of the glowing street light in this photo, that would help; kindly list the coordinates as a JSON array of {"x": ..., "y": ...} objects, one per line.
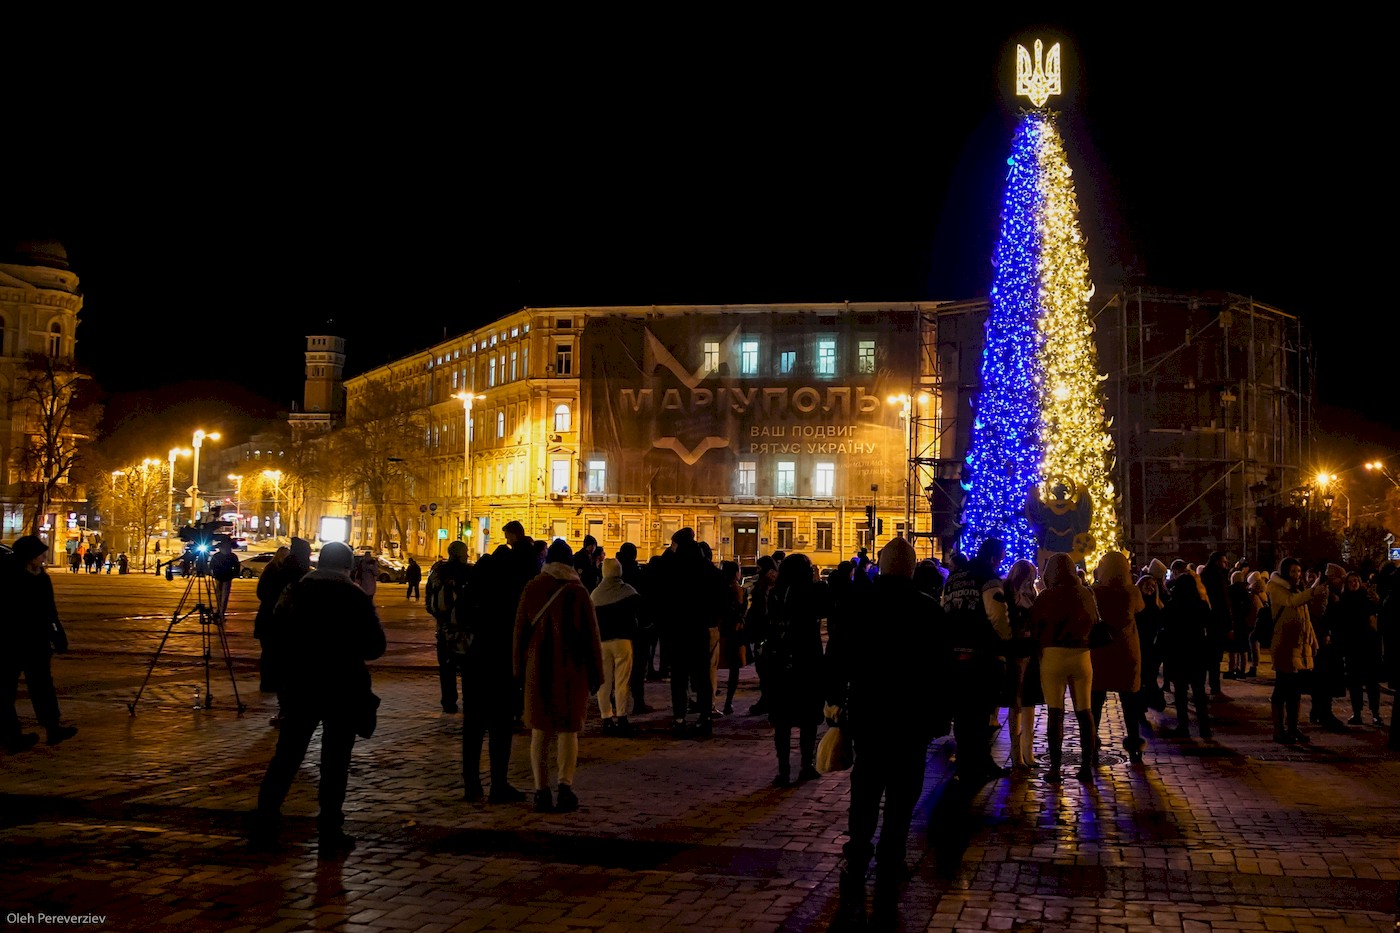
[
  {"x": 170, "y": 499},
  {"x": 199, "y": 437},
  {"x": 467, "y": 399},
  {"x": 1380, "y": 467}
]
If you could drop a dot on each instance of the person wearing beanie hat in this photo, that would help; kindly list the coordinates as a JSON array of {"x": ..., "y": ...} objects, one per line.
[
  {"x": 32, "y": 635},
  {"x": 326, "y": 628},
  {"x": 559, "y": 658},
  {"x": 617, "y": 606}
]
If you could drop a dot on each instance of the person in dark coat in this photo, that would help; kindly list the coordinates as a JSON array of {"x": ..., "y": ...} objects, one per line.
[
  {"x": 452, "y": 573},
  {"x": 30, "y": 635},
  {"x": 1356, "y": 629},
  {"x": 224, "y": 567},
  {"x": 490, "y": 699},
  {"x": 796, "y": 607},
  {"x": 690, "y": 596},
  {"x": 1023, "y": 693},
  {"x": 1216, "y": 579},
  {"x": 644, "y": 638},
  {"x": 1188, "y": 649},
  {"x": 1061, "y": 619},
  {"x": 756, "y": 627},
  {"x": 288, "y": 565},
  {"x": 413, "y": 576},
  {"x": 878, "y": 664},
  {"x": 559, "y": 657},
  {"x": 328, "y": 628}
]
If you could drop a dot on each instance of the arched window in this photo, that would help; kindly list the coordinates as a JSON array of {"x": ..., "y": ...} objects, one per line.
[
  {"x": 55, "y": 339},
  {"x": 501, "y": 423},
  {"x": 561, "y": 418}
]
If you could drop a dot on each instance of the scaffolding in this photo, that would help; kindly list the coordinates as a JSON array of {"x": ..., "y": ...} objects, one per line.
[{"x": 1210, "y": 401}]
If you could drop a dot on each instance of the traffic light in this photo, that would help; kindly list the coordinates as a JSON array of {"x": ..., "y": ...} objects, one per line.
[
  {"x": 879, "y": 526},
  {"x": 870, "y": 517}
]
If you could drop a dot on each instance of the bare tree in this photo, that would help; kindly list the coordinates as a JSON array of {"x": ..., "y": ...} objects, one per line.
[
  {"x": 141, "y": 493},
  {"x": 54, "y": 402},
  {"x": 372, "y": 454}
]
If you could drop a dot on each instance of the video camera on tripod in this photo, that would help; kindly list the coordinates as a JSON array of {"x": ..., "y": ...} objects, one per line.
[{"x": 202, "y": 540}]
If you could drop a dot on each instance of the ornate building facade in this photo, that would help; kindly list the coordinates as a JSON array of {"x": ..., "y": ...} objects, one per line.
[{"x": 39, "y": 306}]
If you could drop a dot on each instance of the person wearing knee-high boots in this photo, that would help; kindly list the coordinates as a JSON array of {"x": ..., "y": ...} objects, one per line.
[
  {"x": 1023, "y": 693},
  {"x": 1062, "y": 618},
  {"x": 1118, "y": 665},
  {"x": 1293, "y": 646}
]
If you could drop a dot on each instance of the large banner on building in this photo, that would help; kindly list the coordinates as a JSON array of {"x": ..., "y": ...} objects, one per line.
[{"x": 737, "y": 405}]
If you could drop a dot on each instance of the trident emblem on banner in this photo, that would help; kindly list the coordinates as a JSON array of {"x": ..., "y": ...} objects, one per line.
[{"x": 1034, "y": 80}]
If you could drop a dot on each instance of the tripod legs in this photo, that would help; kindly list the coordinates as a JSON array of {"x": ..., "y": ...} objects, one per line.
[{"x": 206, "y": 608}]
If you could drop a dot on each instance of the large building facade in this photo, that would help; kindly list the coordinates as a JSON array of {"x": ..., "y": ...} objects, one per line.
[
  {"x": 769, "y": 427},
  {"x": 39, "y": 306}
]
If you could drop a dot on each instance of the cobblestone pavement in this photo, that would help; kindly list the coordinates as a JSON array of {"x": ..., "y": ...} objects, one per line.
[{"x": 139, "y": 821}]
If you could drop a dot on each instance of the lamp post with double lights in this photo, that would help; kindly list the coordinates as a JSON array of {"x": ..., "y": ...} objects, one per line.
[
  {"x": 276, "y": 477},
  {"x": 1324, "y": 480},
  {"x": 199, "y": 437},
  {"x": 1380, "y": 467},
  {"x": 170, "y": 500},
  {"x": 467, "y": 526},
  {"x": 907, "y": 417}
]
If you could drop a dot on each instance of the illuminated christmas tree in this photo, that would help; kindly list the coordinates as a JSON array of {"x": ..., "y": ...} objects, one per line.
[{"x": 1038, "y": 462}]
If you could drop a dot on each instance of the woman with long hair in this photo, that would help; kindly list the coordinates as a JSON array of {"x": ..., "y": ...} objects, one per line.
[
  {"x": 1062, "y": 617},
  {"x": 1023, "y": 693},
  {"x": 1118, "y": 665}
]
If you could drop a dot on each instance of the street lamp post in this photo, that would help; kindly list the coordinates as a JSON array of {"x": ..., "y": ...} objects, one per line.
[
  {"x": 199, "y": 437},
  {"x": 237, "y": 498},
  {"x": 276, "y": 477},
  {"x": 467, "y": 526},
  {"x": 170, "y": 499}
]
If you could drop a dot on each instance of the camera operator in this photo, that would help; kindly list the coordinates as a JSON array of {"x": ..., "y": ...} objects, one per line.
[{"x": 224, "y": 568}]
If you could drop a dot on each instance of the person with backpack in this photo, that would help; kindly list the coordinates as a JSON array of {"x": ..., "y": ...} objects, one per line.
[{"x": 447, "y": 583}]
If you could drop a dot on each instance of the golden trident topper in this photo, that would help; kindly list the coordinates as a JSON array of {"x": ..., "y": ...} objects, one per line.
[{"x": 1032, "y": 80}]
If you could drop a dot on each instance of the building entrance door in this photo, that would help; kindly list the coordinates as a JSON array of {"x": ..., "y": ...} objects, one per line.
[{"x": 746, "y": 541}]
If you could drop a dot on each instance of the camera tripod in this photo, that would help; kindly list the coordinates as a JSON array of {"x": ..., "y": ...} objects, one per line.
[{"x": 205, "y": 604}]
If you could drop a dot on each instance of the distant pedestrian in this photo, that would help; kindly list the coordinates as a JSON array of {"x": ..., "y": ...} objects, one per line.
[
  {"x": 365, "y": 573},
  {"x": 1293, "y": 646},
  {"x": 30, "y": 637},
  {"x": 413, "y": 575},
  {"x": 75, "y": 561},
  {"x": 559, "y": 657},
  {"x": 1117, "y": 666},
  {"x": 733, "y": 646},
  {"x": 89, "y": 559},
  {"x": 328, "y": 629},
  {"x": 123, "y": 564},
  {"x": 447, "y": 584}
]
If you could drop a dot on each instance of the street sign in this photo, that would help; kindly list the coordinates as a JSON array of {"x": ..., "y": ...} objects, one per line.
[
  {"x": 442, "y": 534},
  {"x": 1395, "y": 553}
]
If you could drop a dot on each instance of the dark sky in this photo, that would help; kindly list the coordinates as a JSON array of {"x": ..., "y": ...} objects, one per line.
[{"x": 222, "y": 200}]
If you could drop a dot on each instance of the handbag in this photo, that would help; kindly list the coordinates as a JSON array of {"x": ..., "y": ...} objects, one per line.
[
  {"x": 59, "y": 638},
  {"x": 1100, "y": 636},
  {"x": 367, "y": 715},
  {"x": 834, "y": 751}
]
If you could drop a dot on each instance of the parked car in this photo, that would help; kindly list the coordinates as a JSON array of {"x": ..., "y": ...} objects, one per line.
[
  {"x": 252, "y": 565},
  {"x": 392, "y": 570}
]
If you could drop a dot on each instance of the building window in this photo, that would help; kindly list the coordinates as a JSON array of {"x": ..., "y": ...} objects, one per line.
[
  {"x": 825, "y": 484},
  {"x": 510, "y": 478},
  {"x": 711, "y": 357},
  {"x": 787, "y": 362},
  {"x": 748, "y": 358},
  {"x": 787, "y": 478},
  {"x": 55, "y": 339},
  {"x": 559, "y": 477},
  {"x": 561, "y": 418},
  {"x": 491, "y": 372},
  {"x": 826, "y": 357},
  {"x": 471, "y": 429},
  {"x": 748, "y": 478},
  {"x": 824, "y": 537},
  {"x": 515, "y": 359},
  {"x": 564, "y": 359},
  {"x": 501, "y": 423},
  {"x": 597, "y": 476},
  {"x": 865, "y": 357},
  {"x": 785, "y": 535}
]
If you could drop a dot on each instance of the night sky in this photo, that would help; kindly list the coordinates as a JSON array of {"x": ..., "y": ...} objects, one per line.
[{"x": 222, "y": 201}]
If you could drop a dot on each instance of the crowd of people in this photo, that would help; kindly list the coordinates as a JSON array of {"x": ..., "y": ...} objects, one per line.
[{"x": 896, "y": 651}]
